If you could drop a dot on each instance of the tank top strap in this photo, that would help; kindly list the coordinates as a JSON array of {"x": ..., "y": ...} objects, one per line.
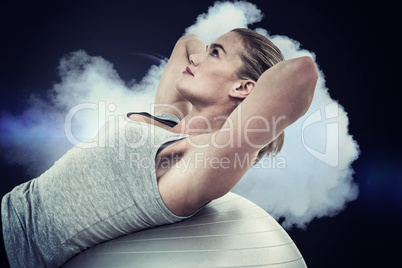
[
  {"x": 167, "y": 122},
  {"x": 166, "y": 144}
]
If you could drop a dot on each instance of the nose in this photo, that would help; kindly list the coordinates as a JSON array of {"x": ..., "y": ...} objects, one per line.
[{"x": 194, "y": 59}]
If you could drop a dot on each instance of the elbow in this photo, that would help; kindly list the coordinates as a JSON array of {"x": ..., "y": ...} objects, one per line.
[
  {"x": 307, "y": 77},
  {"x": 308, "y": 73},
  {"x": 311, "y": 69}
]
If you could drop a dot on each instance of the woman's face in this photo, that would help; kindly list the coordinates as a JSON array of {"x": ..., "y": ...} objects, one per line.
[{"x": 212, "y": 73}]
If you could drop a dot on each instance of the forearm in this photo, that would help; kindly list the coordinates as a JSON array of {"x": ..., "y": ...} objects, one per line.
[
  {"x": 193, "y": 44},
  {"x": 167, "y": 98}
]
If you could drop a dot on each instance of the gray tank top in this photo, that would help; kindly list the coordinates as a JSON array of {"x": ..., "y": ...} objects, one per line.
[{"x": 97, "y": 191}]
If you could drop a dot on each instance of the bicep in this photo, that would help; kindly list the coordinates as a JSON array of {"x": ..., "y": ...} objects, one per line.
[{"x": 205, "y": 172}]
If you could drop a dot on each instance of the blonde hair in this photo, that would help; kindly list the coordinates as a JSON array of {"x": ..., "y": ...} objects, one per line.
[{"x": 258, "y": 55}]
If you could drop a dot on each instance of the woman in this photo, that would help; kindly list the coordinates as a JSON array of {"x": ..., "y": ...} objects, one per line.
[{"x": 219, "y": 108}]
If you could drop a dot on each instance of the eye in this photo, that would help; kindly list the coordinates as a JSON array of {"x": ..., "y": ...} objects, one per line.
[{"x": 214, "y": 52}]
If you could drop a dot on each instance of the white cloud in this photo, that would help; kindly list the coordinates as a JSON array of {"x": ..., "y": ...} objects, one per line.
[{"x": 223, "y": 17}]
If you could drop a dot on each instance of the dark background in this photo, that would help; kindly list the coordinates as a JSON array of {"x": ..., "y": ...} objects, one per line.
[{"x": 356, "y": 46}]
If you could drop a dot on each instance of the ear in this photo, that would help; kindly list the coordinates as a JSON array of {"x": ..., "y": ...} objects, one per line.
[{"x": 242, "y": 89}]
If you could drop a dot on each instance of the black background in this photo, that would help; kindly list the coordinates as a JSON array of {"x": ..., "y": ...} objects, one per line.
[{"x": 356, "y": 46}]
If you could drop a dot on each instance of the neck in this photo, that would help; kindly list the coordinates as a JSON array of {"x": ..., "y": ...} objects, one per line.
[{"x": 200, "y": 121}]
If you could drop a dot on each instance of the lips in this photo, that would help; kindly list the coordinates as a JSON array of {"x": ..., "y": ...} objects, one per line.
[{"x": 188, "y": 71}]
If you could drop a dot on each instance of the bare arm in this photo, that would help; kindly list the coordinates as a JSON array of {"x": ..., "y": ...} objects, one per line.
[
  {"x": 167, "y": 98},
  {"x": 281, "y": 96}
]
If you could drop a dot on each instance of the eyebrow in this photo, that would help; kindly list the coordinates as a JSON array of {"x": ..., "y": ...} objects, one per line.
[{"x": 215, "y": 45}]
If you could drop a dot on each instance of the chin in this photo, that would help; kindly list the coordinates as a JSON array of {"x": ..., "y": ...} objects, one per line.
[{"x": 184, "y": 91}]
